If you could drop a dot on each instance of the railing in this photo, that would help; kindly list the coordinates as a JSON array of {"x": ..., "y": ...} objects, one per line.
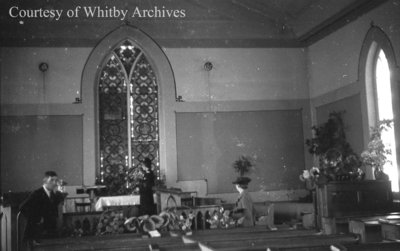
[
  {"x": 201, "y": 215},
  {"x": 18, "y": 230},
  {"x": 77, "y": 224},
  {"x": 3, "y": 218}
]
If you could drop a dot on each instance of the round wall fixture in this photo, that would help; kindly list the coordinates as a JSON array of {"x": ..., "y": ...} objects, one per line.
[
  {"x": 43, "y": 67},
  {"x": 208, "y": 66}
]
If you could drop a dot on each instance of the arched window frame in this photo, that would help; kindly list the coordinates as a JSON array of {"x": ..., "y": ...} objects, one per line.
[
  {"x": 89, "y": 105},
  {"x": 375, "y": 41},
  {"x": 128, "y": 118}
]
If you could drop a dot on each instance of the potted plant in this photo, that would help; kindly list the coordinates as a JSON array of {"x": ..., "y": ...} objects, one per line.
[
  {"x": 376, "y": 154},
  {"x": 242, "y": 165}
]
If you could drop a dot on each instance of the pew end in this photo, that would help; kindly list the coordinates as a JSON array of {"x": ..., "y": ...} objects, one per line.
[
  {"x": 265, "y": 216},
  {"x": 154, "y": 247},
  {"x": 204, "y": 247},
  {"x": 188, "y": 240},
  {"x": 337, "y": 247}
]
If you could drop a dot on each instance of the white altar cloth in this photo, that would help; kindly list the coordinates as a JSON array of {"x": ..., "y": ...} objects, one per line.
[{"x": 124, "y": 200}]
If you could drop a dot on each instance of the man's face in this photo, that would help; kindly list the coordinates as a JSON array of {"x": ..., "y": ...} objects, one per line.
[{"x": 50, "y": 182}]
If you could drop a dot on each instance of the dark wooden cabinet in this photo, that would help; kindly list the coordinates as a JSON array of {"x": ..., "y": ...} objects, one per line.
[{"x": 337, "y": 202}]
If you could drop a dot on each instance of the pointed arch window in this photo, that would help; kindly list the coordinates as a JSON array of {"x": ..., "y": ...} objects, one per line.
[{"x": 128, "y": 117}]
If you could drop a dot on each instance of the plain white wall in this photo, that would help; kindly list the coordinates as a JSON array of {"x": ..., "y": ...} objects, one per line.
[{"x": 333, "y": 62}]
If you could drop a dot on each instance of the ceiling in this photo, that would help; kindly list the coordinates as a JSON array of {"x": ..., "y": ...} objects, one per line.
[{"x": 206, "y": 23}]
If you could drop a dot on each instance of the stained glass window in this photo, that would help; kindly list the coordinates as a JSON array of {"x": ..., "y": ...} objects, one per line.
[{"x": 128, "y": 118}]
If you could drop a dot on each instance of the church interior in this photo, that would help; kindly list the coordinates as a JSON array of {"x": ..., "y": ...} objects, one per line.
[{"x": 294, "y": 103}]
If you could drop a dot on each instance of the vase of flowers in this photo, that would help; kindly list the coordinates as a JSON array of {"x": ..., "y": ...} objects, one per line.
[
  {"x": 376, "y": 154},
  {"x": 310, "y": 177}
]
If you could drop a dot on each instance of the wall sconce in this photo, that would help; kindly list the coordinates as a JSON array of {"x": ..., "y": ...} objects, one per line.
[
  {"x": 208, "y": 66},
  {"x": 43, "y": 67},
  {"x": 78, "y": 100}
]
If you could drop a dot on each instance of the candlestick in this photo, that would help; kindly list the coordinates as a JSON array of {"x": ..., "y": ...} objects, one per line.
[{"x": 101, "y": 159}]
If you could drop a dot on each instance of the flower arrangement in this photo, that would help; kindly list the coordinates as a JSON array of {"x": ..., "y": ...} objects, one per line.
[
  {"x": 221, "y": 219},
  {"x": 337, "y": 160},
  {"x": 110, "y": 222},
  {"x": 242, "y": 165},
  {"x": 168, "y": 220},
  {"x": 177, "y": 221},
  {"x": 134, "y": 178},
  {"x": 172, "y": 220},
  {"x": 376, "y": 153},
  {"x": 333, "y": 168},
  {"x": 310, "y": 177}
]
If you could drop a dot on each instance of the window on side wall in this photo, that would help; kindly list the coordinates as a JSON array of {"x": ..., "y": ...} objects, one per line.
[{"x": 384, "y": 110}]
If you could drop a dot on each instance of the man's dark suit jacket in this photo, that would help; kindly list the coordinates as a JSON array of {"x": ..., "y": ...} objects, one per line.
[{"x": 39, "y": 206}]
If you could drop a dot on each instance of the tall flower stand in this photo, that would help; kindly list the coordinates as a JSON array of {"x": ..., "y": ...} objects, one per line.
[{"x": 311, "y": 186}]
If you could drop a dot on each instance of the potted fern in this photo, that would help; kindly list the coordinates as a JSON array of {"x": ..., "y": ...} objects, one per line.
[
  {"x": 376, "y": 154},
  {"x": 242, "y": 165}
]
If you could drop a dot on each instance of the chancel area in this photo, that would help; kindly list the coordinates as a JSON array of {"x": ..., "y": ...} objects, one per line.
[{"x": 200, "y": 125}]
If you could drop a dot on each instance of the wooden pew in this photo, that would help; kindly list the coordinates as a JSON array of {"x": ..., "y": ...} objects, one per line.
[
  {"x": 152, "y": 247},
  {"x": 115, "y": 242},
  {"x": 369, "y": 228},
  {"x": 248, "y": 239},
  {"x": 377, "y": 246},
  {"x": 390, "y": 229},
  {"x": 340, "y": 201},
  {"x": 126, "y": 241},
  {"x": 313, "y": 248},
  {"x": 381, "y": 246},
  {"x": 279, "y": 242},
  {"x": 237, "y": 236},
  {"x": 236, "y": 233},
  {"x": 177, "y": 247},
  {"x": 260, "y": 228},
  {"x": 220, "y": 233},
  {"x": 89, "y": 241},
  {"x": 111, "y": 238}
]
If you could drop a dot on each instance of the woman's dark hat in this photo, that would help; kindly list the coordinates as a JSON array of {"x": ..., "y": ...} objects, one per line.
[{"x": 242, "y": 181}]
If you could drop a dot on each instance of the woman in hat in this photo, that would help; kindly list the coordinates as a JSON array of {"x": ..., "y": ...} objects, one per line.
[{"x": 244, "y": 210}]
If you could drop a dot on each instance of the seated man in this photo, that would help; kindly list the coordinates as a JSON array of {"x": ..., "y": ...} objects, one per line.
[{"x": 40, "y": 209}]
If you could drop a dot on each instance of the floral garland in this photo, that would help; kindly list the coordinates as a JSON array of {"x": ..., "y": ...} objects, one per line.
[{"x": 113, "y": 222}]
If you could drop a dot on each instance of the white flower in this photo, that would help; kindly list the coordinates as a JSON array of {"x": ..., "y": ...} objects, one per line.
[
  {"x": 314, "y": 171},
  {"x": 306, "y": 174}
]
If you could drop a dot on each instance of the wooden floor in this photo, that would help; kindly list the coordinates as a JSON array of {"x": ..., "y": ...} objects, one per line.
[{"x": 257, "y": 238}]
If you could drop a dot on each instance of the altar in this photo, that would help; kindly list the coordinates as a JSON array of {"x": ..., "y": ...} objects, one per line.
[
  {"x": 85, "y": 222},
  {"x": 114, "y": 201}
]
